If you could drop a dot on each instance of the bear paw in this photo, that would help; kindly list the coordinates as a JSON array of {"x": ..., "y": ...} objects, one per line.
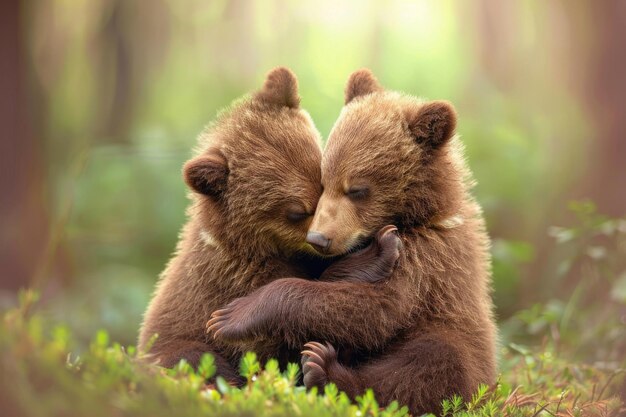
[
  {"x": 371, "y": 264},
  {"x": 381, "y": 259},
  {"x": 318, "y": 362},
  {"x": 390, "y": 245},
  {"x": 239, "y": 321}
]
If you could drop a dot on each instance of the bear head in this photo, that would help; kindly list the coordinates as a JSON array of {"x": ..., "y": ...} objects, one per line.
[
  {"x": 390, "y": 159},
  {"x": 256, "y": 179}
]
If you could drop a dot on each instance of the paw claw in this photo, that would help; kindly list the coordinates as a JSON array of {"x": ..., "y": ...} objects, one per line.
[
  {"x": 386, "y": 230},
  {"x": 317, "y": 361},
  {"x": 313, "y": 356},
  {"x": 218, "y": 313},
  {"x": 212, "y": 322},
  {"x": 236, "y": 322},
  {"x": 316, "y": 366},
  {"x": 314, "y": 345}
]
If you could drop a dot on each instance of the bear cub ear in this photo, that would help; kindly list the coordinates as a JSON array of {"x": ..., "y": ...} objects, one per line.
[
  {"x": 361, "y": 83},
  {"x": 280, "y": 88},
  {"x": 207, "y": 174},
  {"x": 434, "y": 123}
]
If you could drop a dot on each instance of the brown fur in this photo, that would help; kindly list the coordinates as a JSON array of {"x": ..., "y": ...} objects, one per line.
[
  {"x": 360, "y": 83},
  {"x": 258, "y": 164},
  {"x": 256, "y": 183},
  {"x": 393, "y": 159}
]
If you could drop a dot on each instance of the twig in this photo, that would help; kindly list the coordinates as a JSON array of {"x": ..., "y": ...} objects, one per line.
[
  {"x": 560, "y": 401},
  {"x": 540, "y": 410},
  {"x": 608, "y": 382}
]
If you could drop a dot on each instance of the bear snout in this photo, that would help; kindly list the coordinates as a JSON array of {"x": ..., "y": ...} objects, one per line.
[{"x": 319, "y": 242}]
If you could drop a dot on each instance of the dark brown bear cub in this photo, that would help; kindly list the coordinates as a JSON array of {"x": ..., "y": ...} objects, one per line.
[
  {"x": 256, "y": 183},
  {"x": 394, "y": 159}
]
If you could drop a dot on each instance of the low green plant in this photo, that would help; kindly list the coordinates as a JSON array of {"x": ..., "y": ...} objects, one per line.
[
  {"x": 43, "y": 376},
  {"x": 584, "y": 317}
]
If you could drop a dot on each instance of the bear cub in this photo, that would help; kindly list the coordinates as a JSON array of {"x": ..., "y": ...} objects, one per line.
[
  {"x": 255, "y": 184},
  {"x": 427, "y": 331}
]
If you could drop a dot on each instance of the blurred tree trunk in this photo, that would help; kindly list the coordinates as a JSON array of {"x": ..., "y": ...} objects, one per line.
[
  {"x": 583, "y": 44},
  {"x": 594, "y": 64},
  {"x": 115, "y": 68},
  {"x": 604, "y": 92},
  {"x": 23, "y": 216},
  {"x": 124, "y": 54}
]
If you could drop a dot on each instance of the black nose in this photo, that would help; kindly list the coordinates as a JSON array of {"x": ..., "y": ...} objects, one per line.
[{"x": 318, "y": 241}]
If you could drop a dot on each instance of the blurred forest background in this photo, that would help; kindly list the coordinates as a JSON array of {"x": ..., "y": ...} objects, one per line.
[{"x": 102, "y": 101}]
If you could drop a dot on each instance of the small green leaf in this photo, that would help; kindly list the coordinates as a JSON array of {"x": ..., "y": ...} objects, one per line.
[
  {"x": 222, "y": 386},
  {"x": 249, "y": 365},
  {"x": 292, "y": 372},
  {"x": 331, "y": 391},
  {"x": 101, "y": 339},
  {"x": 207, "y": 368}
]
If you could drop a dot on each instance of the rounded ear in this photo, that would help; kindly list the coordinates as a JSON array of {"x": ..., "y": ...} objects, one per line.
[
  {"x": 361, "y": 83},
  {"x": 207, "y": 174},
  {"x": 280, "y": 88},
  {"x": 434, "y": 123}
]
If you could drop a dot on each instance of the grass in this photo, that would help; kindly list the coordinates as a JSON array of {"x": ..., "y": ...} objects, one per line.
[{"x": 43, "y": 376}]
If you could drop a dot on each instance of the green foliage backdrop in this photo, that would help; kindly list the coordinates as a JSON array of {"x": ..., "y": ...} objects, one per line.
[
  {"x": 126, "y": 88},
  {"x": 116, "y": 91}
]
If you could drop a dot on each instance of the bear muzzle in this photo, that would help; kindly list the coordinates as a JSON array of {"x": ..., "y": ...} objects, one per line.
[{"x": 319, "y": 242}]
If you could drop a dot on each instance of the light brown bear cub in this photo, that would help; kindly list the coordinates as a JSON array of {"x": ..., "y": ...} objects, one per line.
[
  {"x": 256, "y": 183},
  {"x": 394, "y": 159}
]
